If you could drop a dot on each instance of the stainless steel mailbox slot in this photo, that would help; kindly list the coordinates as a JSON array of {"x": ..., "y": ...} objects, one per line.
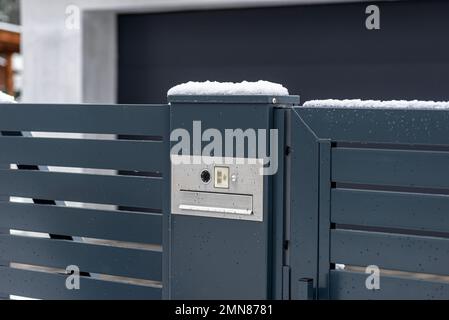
[
  {"x": 216, "y": 202},
  {"x": 219, "y": 187}
]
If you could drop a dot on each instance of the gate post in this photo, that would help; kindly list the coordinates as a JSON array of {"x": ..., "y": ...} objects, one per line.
[{"x": 222, "y": 213}]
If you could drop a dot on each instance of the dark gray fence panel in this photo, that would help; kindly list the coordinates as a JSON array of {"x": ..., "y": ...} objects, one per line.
[
  {"x": 382, "y": 197},
  {"x": 104, "y": 119},
  {"x": 52, "y": 286},
  {"x": 145, "y": 192},
  {"x": 103, "y": 259},
  {"x": 351, "y": 285},
  {"x": 124, "y": 155},
  {"x": 413, "y": 211},
  {"x": 122, "y": 244},
  {"x": 81, "y": 222}
]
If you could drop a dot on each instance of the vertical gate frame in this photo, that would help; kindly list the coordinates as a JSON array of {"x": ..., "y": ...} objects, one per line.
[
  {"x": 281, "y": 208},
  {"x": 309, "y": 211},
  {"x": 324, "y": 219},
  {"x": 303, "y": 253}
]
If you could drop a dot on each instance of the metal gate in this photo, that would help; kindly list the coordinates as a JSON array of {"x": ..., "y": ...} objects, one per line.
[
  {"x": 88, "y": 181},
  {"x": 87, "y": 188},
  {"x": 369, "y": 188}
]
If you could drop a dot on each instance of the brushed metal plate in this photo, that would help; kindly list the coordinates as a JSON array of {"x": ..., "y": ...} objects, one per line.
[{"x": 243, "y": 200}]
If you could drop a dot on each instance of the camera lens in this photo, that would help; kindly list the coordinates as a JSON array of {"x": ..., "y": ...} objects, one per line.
[{"x": 205, "y": 176}]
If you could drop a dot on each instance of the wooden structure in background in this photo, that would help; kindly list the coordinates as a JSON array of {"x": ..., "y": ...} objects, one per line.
[{"x": 9, "y": 44}]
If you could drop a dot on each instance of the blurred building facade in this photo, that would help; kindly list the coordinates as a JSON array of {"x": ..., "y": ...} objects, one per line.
[
  {"x": 70, "y": 62},
  {"x": 10, "y": 66},
  {"x": 132, "y": 51}
]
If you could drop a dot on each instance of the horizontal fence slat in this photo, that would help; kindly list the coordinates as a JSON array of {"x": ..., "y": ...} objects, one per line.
[
  {"x": 98, "y": 154},
  {"x": 101, "y": 224},
  {"x": 151, "y": 120},
  {"x": 424, "y": 212},
  {"x": 424, "y": 127},
  {"x": 391, "y": 167},
  {"x": 42, "y": 285},
  {"x": 103, "y": 259},
  {"x": 145, "y": 192},
  {"x": 351, "y": 285},
  {"x": 391, "y": 251}
]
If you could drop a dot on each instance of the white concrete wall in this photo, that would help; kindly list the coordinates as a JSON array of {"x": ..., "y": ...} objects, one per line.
[
  {"x": 66, "y": 65},
  {"x": 52, "y": 53}
]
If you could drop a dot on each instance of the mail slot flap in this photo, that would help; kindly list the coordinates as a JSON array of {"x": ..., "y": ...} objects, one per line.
[{"x": 216, "y": 202}]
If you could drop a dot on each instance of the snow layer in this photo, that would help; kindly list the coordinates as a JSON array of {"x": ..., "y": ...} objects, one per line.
[
  {"x": 5, "y": 98},
  {"x": 228, "y": 88},
  {"x": 368, "y": 104}
]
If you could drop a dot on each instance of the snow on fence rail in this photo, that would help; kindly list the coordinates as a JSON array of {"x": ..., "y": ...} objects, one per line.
[{"x": 377, "y": 104}]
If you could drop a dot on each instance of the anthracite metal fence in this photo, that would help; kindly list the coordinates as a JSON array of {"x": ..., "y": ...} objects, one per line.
[
  {"x": 359, "y": 187},
  {"x": 370, "y": 187},
  {"x": 128, "y": 175}
]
